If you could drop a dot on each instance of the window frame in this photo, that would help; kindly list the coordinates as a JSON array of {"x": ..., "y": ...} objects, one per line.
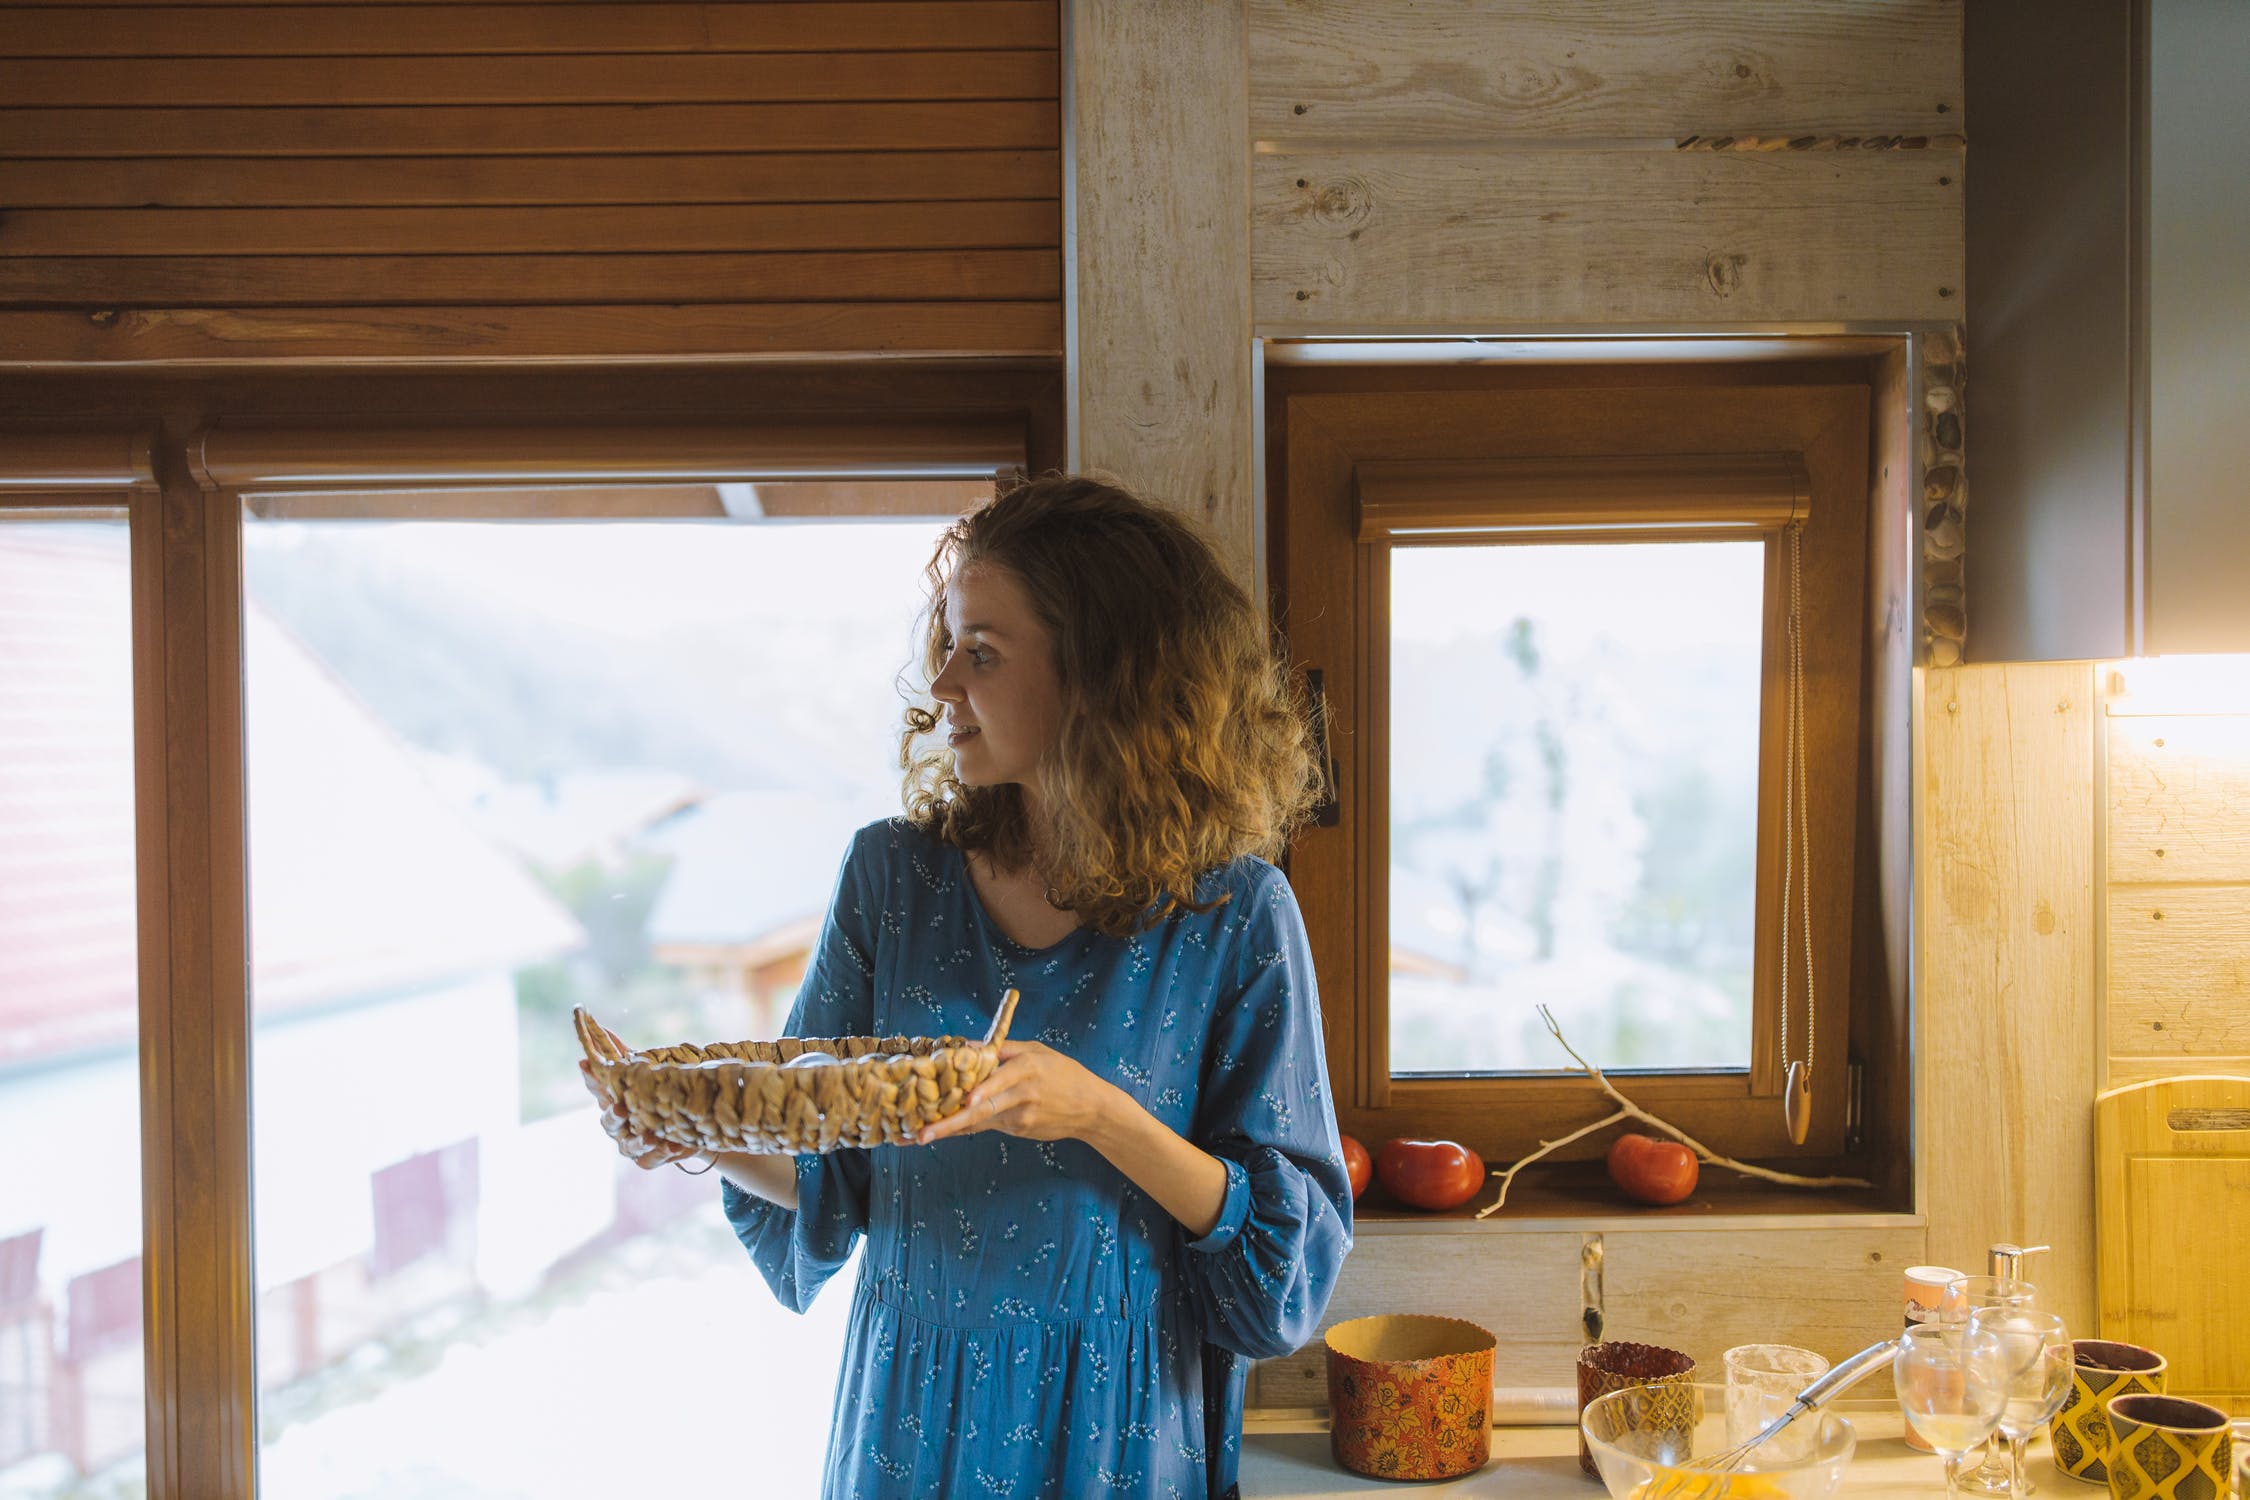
[
  {"x": 144, "y": 439},
  {"x": 1333, "y": 426}
]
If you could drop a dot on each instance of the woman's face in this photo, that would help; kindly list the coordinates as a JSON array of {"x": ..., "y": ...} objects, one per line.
[{"x": 1002, "y": 695}]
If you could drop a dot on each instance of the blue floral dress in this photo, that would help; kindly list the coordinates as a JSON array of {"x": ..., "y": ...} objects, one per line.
[{"x": 1027, "y": 1322}]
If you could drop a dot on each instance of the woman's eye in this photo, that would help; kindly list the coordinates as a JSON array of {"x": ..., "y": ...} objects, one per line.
[{"x": 979, "y": 655}]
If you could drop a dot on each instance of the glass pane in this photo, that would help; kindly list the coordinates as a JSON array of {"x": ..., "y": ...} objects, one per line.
[
  {"x": 495, "y": 771},
  {"x": 70, "y": 1219},
  {"x": 1574, "y": 763}
]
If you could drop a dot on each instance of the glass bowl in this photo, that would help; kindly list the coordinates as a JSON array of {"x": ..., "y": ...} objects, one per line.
[{"x": 1646, "y": 1441}]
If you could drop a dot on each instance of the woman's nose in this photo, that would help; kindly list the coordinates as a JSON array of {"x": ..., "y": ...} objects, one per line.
[{"x": 943, "y": 686}]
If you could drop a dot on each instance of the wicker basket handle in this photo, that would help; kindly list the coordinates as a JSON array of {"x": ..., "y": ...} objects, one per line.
[
  {"x": 594, "y": 1037},
  {"x": 999, "y": 1031}
]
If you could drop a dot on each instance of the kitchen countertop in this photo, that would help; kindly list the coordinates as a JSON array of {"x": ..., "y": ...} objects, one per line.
[{"x": 1287, "y": 1459}]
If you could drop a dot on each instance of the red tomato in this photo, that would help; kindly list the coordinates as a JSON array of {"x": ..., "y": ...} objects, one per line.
[
  {"x": 1357, "y": 1166},
  {"x": 1653, "y": 1171},
  {"x": 1430, "y": 1174}
]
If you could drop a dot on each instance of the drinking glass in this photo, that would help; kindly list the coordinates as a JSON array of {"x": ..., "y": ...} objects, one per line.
[
  {"x": 1762, "y": 1383},
  {"x": 1950, "y": 1389},
  {"x": 1992, "y": 1474},
  {"x": 2034, "y": 1351}
]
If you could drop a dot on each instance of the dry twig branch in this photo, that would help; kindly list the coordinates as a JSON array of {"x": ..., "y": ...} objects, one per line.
[{"x": 1628, "y": 1110}]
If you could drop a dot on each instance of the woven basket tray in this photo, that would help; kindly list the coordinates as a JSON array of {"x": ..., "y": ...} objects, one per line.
[{"x": 739, "y": 1096}]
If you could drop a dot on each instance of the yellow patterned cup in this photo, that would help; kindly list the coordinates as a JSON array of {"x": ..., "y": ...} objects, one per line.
[
  {"x": 2167, "y": 1448},
  {"x": 2099, "y": 1370}
]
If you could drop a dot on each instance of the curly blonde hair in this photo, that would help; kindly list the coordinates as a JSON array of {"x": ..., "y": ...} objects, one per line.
[{"x": 1184, "y": 740}]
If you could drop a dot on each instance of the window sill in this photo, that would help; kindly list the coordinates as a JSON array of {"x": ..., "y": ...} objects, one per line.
[{"x": 1579, "y": 1197}]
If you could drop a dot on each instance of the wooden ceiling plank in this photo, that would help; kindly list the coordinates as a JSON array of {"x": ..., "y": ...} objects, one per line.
[
  {"x": 366, "y": 30},
  {"x": 506, "y": 280},
  {"x": 41, "y": 340},
  {"x": 468, "y": 181},
  {"x": 551, "y": 230},
  {"x": 818, "y": 77},
  {"x": 473, "y": 130}
]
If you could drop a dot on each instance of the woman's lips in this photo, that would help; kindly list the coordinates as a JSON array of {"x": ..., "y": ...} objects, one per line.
[{"x": 959, "y": 736}]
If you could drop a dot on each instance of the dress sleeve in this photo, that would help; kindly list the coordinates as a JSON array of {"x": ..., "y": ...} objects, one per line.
[
  {"x": 1262, "y": 1276},
  {"x": 797, "y": 1251}
]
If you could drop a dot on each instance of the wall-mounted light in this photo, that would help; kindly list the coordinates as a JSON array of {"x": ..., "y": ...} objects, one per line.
[{"x": 2180, "y": 685}]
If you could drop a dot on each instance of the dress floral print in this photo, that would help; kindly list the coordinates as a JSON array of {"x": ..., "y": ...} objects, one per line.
[{"x": 1026, "y": 1321}]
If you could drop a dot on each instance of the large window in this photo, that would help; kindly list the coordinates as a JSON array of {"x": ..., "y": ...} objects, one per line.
[
  {"x": 1552, "y": 616},
  {"x": 497, "y": 770}
]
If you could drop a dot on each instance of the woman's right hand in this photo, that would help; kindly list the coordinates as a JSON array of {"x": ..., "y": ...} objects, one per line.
[{"x": 640, "y": 1147}]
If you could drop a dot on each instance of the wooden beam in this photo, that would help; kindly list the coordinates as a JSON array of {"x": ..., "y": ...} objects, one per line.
[
  {"x": 1474, "y": 241},
  {"x": 1452, "y": 71},
  {"x": 1161, "y": 365}
]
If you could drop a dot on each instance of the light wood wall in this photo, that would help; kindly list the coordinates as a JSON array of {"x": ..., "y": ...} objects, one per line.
[
  {"x": 2177, "y": 896},
  {"x": 2006, "y": 1041},
  {"x": 584, "y": 181},
  {"x": 1279, "y": 168},
  {"x": 1481, "y": 165},
  {"x": 1161, "y": 375}
]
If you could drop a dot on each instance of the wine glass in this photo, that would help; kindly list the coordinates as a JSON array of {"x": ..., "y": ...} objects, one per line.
[
  {"x": 1950, "y": 1388},
  {"x": 2034, "y": 1351},
  {"x": 1962, "y": 1296}
]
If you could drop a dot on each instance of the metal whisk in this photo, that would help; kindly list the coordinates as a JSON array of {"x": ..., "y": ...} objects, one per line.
[{"x": 1680, "y": 1479}]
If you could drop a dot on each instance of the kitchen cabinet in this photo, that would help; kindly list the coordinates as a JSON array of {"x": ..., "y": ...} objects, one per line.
[{"x": 2108, "y": 302}]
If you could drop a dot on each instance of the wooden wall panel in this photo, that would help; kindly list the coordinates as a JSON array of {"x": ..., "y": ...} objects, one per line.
[
  {"x": 1161, "y": 377},
  {"x": 2006, "y": 1045},
  {"x": 1700, "y": 1290},
  {"x": 1500, "y": 239},
  {"x": 2179, "y": 972},
  {"x": 2177, "y": 787},
  {"x": 169, "y": 171},
  {"x": 1489, "y": 165},
  {"x": 1522, "y": 1286},
  {"x": 2179, "y": 893},
  {"x": 1459, "y": 69}
]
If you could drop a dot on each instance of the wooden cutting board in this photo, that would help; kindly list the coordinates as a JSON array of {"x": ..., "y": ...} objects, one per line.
[{"x": 2172, "y": 1226}]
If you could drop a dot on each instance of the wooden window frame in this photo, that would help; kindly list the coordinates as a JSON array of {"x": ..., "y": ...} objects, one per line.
[
  {"x": 1334, "y": 443},
  {"x": 175, "y": 451}
]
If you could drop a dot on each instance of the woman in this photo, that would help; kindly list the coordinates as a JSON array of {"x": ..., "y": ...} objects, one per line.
[{"x": 1065, "y": 1282}]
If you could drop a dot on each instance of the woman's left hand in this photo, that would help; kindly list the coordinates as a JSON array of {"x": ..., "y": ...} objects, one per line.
[{"x": 1037, "y": 1093}]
